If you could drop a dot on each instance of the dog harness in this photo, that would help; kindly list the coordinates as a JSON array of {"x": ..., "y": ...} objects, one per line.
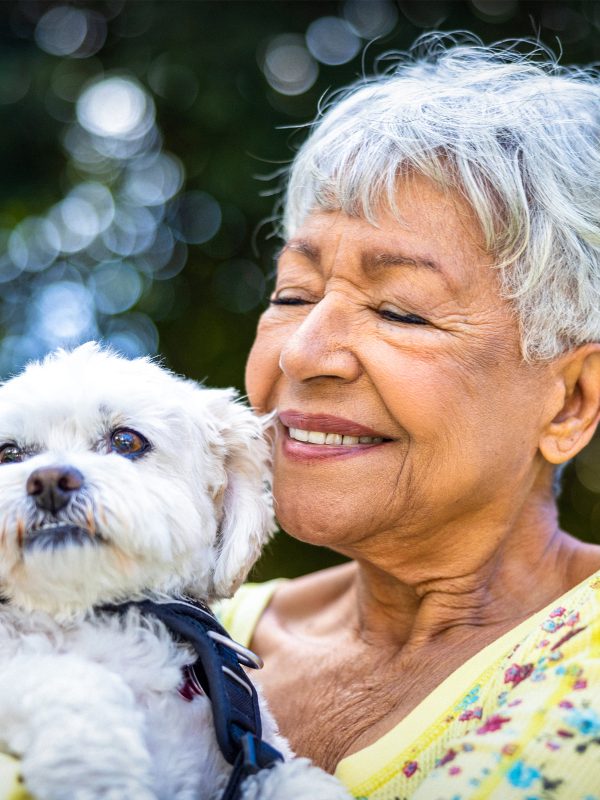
[{"x": 218, "y": 672}]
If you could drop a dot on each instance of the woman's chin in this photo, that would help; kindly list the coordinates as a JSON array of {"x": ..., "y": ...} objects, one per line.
[{"x": 326, "y": 514}]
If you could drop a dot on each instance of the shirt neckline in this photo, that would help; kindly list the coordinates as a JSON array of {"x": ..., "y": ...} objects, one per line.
[{"x": 369, "y": 760}]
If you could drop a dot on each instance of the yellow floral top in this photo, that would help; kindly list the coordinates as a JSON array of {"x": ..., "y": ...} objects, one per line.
[{"x": 518, "y": 721}]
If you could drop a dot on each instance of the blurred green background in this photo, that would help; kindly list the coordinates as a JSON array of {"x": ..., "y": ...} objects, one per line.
[{"x": 142, "y": 148}]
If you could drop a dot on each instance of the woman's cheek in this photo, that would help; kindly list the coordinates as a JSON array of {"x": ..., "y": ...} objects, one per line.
[{"x": 262, "y": 367}]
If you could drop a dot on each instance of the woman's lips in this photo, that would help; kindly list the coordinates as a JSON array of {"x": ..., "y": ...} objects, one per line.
[
  {"x": 326, "y": 423},
  {"x": 317, "y": 436}
]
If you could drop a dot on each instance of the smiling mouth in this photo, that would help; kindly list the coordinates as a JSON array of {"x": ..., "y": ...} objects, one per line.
[
  {"x": 332, "y": 439},
  {"x": 55, "y": 536}
]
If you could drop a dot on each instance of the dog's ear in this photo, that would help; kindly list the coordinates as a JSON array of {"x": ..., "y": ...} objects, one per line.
[{"x": 243, "y": 501}]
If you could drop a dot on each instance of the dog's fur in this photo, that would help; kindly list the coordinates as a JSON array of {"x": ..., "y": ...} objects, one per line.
[{"x": 89, "y": 701}]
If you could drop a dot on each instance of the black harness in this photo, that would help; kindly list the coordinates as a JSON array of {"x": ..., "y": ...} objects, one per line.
[{"x": 218, "y": 670}]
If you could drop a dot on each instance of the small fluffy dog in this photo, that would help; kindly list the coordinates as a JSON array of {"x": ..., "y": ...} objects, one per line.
[{"x": 121, "y": 481}]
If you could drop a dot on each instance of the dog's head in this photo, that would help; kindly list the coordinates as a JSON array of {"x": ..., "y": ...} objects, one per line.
[{"x": 119, "y": 479}]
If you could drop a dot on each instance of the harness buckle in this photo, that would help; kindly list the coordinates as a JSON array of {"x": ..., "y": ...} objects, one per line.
[
  {"x": 251, "y": 765},
  {"x": 257, "y": 754}
]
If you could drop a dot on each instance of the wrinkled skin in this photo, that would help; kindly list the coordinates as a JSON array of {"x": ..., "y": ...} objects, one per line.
[{"x": 451, "y": 520}]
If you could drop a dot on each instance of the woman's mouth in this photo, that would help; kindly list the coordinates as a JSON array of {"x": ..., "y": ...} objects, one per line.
[
  {"x": 320, "y": 437},
  {"x": 309, "y": 436}
]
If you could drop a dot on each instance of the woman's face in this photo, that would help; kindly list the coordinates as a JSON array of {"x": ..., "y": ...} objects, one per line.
[{"x": 396, "y": 337}]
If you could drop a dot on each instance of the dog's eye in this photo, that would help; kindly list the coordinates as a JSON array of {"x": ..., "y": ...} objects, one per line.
[
  {"x": 128, "y": 443},
  {"x": 11, "y": 454}
]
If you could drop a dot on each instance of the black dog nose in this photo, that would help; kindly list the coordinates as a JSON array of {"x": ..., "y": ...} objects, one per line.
[{"x": 52, "y": 487}]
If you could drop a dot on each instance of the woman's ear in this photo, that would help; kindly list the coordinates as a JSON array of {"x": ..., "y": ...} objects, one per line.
[
  {"x": 577, "y": 405},
  {"x": 244, "y": 502}
]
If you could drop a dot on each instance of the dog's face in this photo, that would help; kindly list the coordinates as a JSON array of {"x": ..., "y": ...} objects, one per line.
[{"x": 118, "y": 478}]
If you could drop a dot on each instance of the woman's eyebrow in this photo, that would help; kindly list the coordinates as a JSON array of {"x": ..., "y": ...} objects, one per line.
[
  {"x": 373, "y": 262},
  {"x": 304, "y": 248},
  {"x": 370, "y": 261}
]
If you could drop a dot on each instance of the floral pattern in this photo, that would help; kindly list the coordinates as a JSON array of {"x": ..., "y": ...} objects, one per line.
[{"x": 528, "y": 729}]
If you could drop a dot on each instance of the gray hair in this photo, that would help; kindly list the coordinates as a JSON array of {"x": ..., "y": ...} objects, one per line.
[{"x": 517, "y": 135}]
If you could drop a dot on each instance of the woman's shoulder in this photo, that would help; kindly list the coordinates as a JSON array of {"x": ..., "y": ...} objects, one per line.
[
  {"x": 288, "y": 599},
  {"x": 567, "y": 629},
  {"x": 534, "y": 721},
  {"x": 240, "y": 614}
]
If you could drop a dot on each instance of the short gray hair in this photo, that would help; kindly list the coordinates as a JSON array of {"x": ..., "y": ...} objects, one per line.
[{"x": 516, "y": 134}]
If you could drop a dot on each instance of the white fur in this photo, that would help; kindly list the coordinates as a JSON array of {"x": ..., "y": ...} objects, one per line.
[{"x": 89, "y": 701}]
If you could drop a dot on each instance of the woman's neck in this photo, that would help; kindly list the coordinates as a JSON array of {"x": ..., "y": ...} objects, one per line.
[{"x": 457, "y": 581}]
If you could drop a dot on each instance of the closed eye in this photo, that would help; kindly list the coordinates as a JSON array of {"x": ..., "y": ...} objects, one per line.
[
  {"x": 408, "y": 319},
  {"x": 289, "y": 301}
]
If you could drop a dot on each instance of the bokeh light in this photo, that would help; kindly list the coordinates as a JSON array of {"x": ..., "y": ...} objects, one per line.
[
  {"x": 152, "y": 180},
  {"x": 196, "y": 217},
  {"x": 116, "y": 286},
  {"x": 121, "y": 225},
  {"x": 63, "y": 313},
  {"x": 67, "y": 31},
  {"x": 62, "y": 30},
  {"x": 132, "y": 334},
  {"x": 371, "y": 19},
  {"x": 15, "y": 81},
  {"x": 288, "y": 66},
  {"x": 332, "y": 41},
  {"x": 495, "y": 10},
  {"x": 34, "y": 244},
  {"x": 174, "y": 82},
  {"x": 116, "y": 107},
  {"x": 238, "y": 285}
]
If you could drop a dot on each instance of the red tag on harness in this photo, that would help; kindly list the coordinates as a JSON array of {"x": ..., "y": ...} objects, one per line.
[{"x": 190, "y": 687}]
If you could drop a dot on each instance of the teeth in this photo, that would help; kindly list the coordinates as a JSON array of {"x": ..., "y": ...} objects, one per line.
[
  {"x": 318, "y": 437},
  {"x": 301, "y": 436},
  {"x": 48, "y": 526}
]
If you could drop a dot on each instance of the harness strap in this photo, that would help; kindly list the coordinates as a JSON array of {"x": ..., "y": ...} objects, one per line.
[{"x": 218, "y": 670}]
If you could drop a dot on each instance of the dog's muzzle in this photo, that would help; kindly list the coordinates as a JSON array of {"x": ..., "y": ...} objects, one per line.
[
  {"x": 53, "y": 536},
  {"x": 52, "y": 489}
]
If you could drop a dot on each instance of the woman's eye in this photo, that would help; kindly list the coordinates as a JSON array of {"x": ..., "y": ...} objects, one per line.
[
  {"x": 288, "y": 301},
  {"x": 11, "y": 454},
  {"x": 128, "y": 443},
  {"x": 397, "y": 316}
]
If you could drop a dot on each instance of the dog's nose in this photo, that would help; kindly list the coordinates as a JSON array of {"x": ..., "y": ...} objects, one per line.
[{"x": 53, "y": 487}]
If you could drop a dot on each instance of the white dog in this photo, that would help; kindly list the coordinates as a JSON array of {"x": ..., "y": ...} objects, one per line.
[{"x": 120, "y": 481}]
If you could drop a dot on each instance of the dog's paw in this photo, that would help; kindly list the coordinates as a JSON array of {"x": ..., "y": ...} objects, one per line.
[
  {"x": 297, "y": 779},
  {"x": 74, "y": 741}
]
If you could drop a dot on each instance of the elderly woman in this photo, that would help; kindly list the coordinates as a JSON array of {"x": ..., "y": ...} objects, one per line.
[{"x": 432, "y": 352}]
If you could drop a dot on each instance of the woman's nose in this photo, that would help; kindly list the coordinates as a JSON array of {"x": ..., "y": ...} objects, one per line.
[{"x": 321, "y": 347}]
